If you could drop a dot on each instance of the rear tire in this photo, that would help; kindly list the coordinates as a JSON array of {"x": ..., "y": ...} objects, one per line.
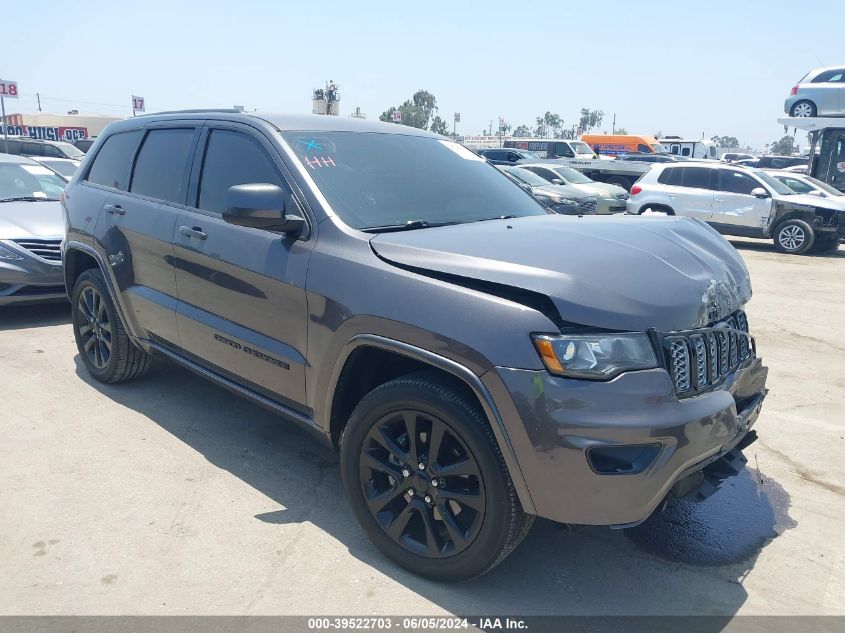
[
  {"x": 455, "y": 529},
  {"x": 803, "y": 109},
  {"x": 794, "y": 237},
  {"x": 102, "y": 341}
]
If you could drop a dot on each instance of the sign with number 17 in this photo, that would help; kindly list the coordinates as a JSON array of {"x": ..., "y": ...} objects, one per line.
[{"x": 137, "y": 104}]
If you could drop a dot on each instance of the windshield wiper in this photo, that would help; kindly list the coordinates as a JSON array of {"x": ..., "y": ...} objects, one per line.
[
  {"x": 496, "y": 217},
  {"x": 410, "y": 225},
  {"x": 28, "y": 199}
]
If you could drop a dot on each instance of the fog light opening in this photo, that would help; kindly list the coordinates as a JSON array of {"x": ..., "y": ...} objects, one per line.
[{"x": 628, "y": 459}]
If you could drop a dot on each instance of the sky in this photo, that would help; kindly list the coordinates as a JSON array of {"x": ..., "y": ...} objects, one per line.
[{"x": 687, "y": 68}]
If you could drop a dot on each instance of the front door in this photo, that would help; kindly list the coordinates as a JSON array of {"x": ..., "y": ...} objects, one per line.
[
  {"x": 734, "y": 204},
  {"x": 242, "y": 305}
]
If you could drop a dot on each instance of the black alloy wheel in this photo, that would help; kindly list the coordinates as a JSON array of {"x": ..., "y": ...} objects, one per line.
[
  {"x": 94, "y": 326},
  {"x": 422, "y": 484}
]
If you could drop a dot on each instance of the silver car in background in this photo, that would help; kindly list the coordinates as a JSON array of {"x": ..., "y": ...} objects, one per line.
[
  {"x": 821, "y": 92},
  {"x": 610, "y": 198},
  {"x": 31, "y": 232}
]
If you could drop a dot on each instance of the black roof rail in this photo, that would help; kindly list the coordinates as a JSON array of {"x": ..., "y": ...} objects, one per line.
[{"x": 198, "y": 111}]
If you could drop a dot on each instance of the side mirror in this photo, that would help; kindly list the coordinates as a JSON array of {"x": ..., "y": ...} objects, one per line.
[
  {"x": 556, "y": 181},
  {"x": 260, "y": 206},
  {"x": 759, "y": 192}
]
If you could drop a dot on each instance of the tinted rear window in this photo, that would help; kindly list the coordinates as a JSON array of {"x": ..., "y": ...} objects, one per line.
[
  {"x": 162, "y": 163},
  {"x": 113, "y": 161},
  {"x": 670, "y": 176}
]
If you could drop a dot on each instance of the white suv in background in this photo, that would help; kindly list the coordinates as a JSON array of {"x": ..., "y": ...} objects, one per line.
[{"x": 742, "y": 202}]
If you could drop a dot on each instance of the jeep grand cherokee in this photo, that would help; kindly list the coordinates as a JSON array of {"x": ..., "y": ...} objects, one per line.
[{"x": 463, "y": 348}]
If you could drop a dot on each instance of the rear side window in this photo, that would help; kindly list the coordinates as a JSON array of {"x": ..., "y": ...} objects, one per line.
[
  {"x": 697, "y": 177},
  {"x": 33, "y": 149},
  {"x": 671, "y": 176},
  {"x": 735, "y": 182},
  {"x": 830, "y": 75},
  {"x": 232, "y": 158},
  {"x": 113, "y": 161},
  {"x": 645, "y": 149},
  {"x": 161, "y": 166}
]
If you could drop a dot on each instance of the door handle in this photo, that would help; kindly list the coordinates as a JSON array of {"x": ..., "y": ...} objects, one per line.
[
  {"x": 114, "y": 209},
  {"x": 193, "y": 231}
]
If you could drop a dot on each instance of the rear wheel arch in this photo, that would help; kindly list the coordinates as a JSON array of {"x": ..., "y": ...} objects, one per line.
[
  {"x": 353, "y": 380},
  {"x": 76, "y": 261},
  {"x": 664, "y": 208}
]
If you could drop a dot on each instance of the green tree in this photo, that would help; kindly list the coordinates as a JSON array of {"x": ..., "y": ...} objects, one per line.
[
  {"x": 590, "y": 119},
  {"x": 621, "y": 130},
  {"x": 522, "y": 131},
  {"x": 728, "y": 142},
  {"x": 784, "y": 146},
  {"x": 550, "y": 124},
  {"x": 439, "y": 126},
  {"x": 416, "y": 112}
]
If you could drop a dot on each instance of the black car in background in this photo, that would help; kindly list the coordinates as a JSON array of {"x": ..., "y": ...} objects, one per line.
[
  {"x": 780, "y": 162},
  {"x": 508, "y": 156}
]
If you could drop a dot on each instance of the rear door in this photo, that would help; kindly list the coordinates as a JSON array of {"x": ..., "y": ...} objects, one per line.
[
  {"x": 136, "y": 227},
  {"x": 690, "y": 191},
  {"x": 242, "y": 305},
  {"x": 825, "y": 91},
  {"x": 734, "y": 205}
]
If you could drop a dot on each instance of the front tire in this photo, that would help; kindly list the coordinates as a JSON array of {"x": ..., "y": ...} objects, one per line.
[
  {"x": 427, "y": 481},
  {"x": 794, "y": 237},
  {"x": 803, "y": 109},
  {"x": 104, "y": 347},
  {"x": 826, "y": 244}
]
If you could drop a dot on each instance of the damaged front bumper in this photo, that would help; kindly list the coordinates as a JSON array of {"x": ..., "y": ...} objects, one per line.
[{"x": 610, "y": 453}]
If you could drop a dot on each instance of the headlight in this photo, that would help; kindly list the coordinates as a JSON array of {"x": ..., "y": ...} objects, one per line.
[
  {"x": 567, "y": 201},
  {"x": 7, "y": 254},
  {"x": 597, "y": 356}
]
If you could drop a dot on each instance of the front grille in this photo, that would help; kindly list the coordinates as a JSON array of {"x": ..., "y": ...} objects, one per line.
[
  {"x": 699, "y": 360},
  {"x": 587, "y": 205},
  {"x": 50, "y": 250}
]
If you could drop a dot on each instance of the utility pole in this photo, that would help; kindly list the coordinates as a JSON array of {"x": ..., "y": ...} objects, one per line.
[
  {"x": 38, "y": 96},
  {"x": 490, "y": 131},
  {"x": 614, "y": 124}
]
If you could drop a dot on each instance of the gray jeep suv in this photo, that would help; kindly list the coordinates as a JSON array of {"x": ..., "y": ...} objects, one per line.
[{"x": 464, "y": 348}]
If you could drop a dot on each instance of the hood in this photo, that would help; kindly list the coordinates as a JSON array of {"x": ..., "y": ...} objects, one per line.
[
  {"x": 815, "y": 201},
  {"x": 31, "y": 219},
  {"x": 601, "y": 189},
  {"x": 565, "y": 191},
  {"x": 617, "y": 272}
]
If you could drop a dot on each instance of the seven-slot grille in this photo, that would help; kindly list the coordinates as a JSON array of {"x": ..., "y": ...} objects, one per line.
[
  {"x": 587, "y": 205},
  {"x": 50, "y": 250},
  {"x": 700, "y": 359}
]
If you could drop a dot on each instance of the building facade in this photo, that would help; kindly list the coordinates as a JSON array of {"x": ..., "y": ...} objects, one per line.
[{"x": 56, "y": 127}]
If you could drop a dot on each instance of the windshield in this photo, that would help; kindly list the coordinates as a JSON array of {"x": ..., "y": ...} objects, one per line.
[
  {"x": 659, "y": 149},
  {"x": 572, "y": 176},
  {"x": 528, "y": 177},
  {"x": 378, "y": 180},
  {"x": 818, "y": 184},
  {"x": 581, "y": 147},
  {"x": 65, "y": 167},
  {"x": 774, "y": 184},
  {"x": 29, "y": 181},
  {"x": 71, "y": 151}
]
